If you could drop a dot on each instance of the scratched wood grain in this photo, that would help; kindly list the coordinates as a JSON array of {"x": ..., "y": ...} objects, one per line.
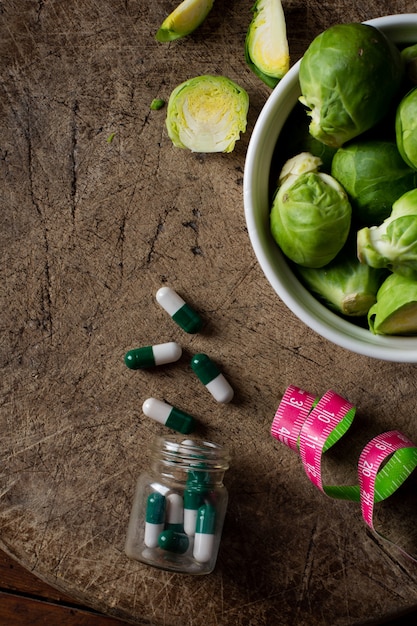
[{"x": 98, "y": 210}]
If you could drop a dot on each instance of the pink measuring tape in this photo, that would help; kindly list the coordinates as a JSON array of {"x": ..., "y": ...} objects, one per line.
[{"x": 311, "y": 426}]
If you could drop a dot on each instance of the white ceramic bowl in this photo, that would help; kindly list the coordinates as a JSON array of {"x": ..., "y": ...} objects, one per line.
[{"x": 401, "y": 29}]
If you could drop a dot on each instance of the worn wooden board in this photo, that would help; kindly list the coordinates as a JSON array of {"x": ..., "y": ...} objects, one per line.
[{"x": 91, "y": 228}]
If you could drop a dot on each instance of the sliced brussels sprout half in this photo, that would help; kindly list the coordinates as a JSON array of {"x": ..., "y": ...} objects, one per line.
[
  {"x": 184, "y": 19},
  {"x": 348, "y": 78},
  {"x": 311, "y": 215},
  {"x": 393, "y": 244},
  {"x": 207, "y": 114},
  {"x": 406, "y": 128},
  {"x": 395, "y": 311},
  {"x": 266, "y": 44}
]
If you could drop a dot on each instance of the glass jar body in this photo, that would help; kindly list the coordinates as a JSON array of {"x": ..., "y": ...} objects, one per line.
[{"x": 179, "y": 507}]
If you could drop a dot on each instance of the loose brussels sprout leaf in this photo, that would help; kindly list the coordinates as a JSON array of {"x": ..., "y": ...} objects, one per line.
[
  {"x": 266, "y": 45},
  {"x": 157, "y": 104},
  {"x": 348, "y": 78},
  {"x": 184, "y": 19},
  {"x": 345, "y": 285},
  {"x": 406, "y": 128},
  {"x": 395, "y": 311},
  {"x": 311, "y": 215},
  {"x": 207, "y": 114},
  {"x": 393, "y": 244},
  {"x": 374, "y": 175}
]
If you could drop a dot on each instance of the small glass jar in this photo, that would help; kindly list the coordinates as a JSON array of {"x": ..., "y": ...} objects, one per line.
[{"x": 179, "y": 506}]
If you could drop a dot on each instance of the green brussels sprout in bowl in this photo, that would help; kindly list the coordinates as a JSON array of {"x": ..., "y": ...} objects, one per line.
[{"x": 260, "y": 169}]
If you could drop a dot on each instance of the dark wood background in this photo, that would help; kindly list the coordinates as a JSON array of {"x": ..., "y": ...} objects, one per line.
[{"x": 91, "y": 228}]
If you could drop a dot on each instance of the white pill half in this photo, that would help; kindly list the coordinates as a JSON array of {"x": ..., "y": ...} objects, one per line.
[
  {"x": 152, "y": 532},
  {"x": 220, "y": 389},
  {"x": 175, "y": 509},
  {"x": 203, "y": 547},
  {"x": 169, "y": 300},
  {"x": 166, "y": 352},
  {"x": 157, "y": 410}
]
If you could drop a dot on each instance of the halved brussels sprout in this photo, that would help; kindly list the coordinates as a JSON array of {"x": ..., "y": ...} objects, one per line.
[
  {"x": 406, "y": 128},
  {"x": 184, "y": 19},
  {"x": 393, "y": 244},
  {"x": 266, "y": 45},
  {"x": 348, "y": 77},
  {"x": 311, "y": 215},
  {"x": 374, "y": 175},
  {"x": 345, "y": 285},
  {"x": 395, "y": 311},
  {"x": 207, "y": 114}
]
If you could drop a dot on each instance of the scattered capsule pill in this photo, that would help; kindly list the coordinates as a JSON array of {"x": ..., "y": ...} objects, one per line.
[
  {"x": 173, "y": 541},
  {"x": 168, "y": 415},
  {"x": 204, "y": 534},
  {"x": 186, "y": 318},
  {"x": 174, "y": 518},
  {"x": 150, "y": 356},
  {"x": 210, "y": 375},
  {"x": 154, "y": 519}
]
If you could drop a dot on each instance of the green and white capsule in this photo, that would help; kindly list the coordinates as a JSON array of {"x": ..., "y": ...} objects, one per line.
[
  {"x": 205, "y": 533},
  {"x": 151, "y": 356},
  {"x": 154, "y": 519},
  {"x": 168, "y": 415},
  {"x": 212, "y": 378},
  {"x": 192, "y": 502},
  {"x": 196, "y": 488},
  {"x": 186, "y": 318}
]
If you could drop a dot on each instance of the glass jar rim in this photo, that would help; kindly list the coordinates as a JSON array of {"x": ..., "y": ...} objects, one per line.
[{"x": 197, "y": 454}]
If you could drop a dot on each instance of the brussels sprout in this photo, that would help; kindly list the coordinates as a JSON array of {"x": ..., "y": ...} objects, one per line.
[
  {"x": 310, "y": 216},
  {"x": 266, "y": 45},
  {"x": 393, "y": 244},
  {"x": 374, "y": 176},
  {"x": 395, "y": 311},
  {"x": 406, "y": 128},
  {"x": 409, "y": 56},
  {"x": 348, "y": 78},
  {"x": 184, "y": 19},
  {"x": 207, "y": 114},
  {"x": 345, "y": 285}
]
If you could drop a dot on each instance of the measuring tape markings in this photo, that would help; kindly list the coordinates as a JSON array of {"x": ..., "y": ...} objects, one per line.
[
  {"x": 377, "y": 485},
  {"x": 291, "y": 414},
  {"x": 312, "y": 427},
  {"x": 326, "y": 417}
]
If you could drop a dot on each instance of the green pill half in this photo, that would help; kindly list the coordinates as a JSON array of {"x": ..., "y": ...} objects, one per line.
[
  {"x": 172, "y": 541},
  {"x": 204, "y": 368},
  {"x": 155, "y": 508}
]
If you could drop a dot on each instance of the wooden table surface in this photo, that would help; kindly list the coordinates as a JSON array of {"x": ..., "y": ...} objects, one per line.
[{"x": 99, "y": 210}]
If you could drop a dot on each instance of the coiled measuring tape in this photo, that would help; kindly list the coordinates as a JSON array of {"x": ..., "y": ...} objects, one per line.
[{"x": 311, "y": 426}]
